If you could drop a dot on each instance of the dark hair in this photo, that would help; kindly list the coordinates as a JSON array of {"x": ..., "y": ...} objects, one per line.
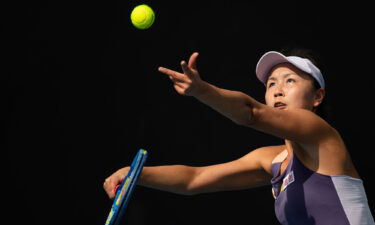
[{"x": 323, "y": 110}]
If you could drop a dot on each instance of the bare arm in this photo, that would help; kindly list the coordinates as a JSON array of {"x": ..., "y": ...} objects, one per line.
[
  {"x": 251, "y": 170},
  {"x": 248, "y": 171},
  {"x": 172, "y": 178},
  {"x": 234, "y": 105},
  {"x": 301, "y": 126}
]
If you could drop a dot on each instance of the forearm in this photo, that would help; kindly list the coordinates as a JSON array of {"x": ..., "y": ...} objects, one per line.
[
  {"x": 173, "y": 178},
  {"x": 234, "y": 105}
]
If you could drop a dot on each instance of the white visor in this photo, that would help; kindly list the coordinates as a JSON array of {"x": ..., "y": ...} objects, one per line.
[{"x": 272, "y": 58}]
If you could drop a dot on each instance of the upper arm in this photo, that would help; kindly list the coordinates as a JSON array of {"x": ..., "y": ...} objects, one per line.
[
  {"x": 245, "y": 172},
  {"x": 299, "y": 125}
]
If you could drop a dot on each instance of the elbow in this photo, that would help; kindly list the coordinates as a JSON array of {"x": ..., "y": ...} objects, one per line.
[
  {"x": 190, "y": 191},
  {"x": 183, "y": 191},
  {"x": 193, "y": 187},
  {"x": 250, "y": 112},
  {"x": 249, "y": 117}
]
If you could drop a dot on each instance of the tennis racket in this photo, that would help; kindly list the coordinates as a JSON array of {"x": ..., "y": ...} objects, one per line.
[{"x": 125, "y": 190}]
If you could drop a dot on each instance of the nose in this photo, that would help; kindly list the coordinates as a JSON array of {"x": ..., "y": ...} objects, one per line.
[{"x": 278, "y": 92}]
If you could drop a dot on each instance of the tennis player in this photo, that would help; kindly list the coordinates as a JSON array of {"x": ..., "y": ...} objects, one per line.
[{"x": 312, "y": 176}]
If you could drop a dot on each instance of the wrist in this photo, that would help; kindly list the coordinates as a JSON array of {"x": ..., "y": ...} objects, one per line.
[
  {"x": 202, "y": 89},
  {"x": 143, "y": 175}
]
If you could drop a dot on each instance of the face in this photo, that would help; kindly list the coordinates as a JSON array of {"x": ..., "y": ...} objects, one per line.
[{"x": 288, "y": 87}]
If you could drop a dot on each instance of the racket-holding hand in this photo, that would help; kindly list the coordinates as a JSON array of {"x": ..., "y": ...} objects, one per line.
[
  {"x": 115, "y": 179},
  {"x": 189, "y": 82}
]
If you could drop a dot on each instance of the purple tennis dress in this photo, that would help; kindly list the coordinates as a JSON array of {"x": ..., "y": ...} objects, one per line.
[{"x": 304, "y": 197}]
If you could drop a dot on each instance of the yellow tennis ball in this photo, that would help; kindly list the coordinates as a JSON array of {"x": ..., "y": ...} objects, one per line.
[{"x": 142, "y": 16}]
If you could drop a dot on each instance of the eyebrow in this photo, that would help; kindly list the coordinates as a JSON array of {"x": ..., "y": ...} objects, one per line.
[{"x": 285, "y": 75}]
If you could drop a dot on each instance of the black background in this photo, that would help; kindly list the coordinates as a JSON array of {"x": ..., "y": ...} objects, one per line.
[{"x": 82, "y": 94}]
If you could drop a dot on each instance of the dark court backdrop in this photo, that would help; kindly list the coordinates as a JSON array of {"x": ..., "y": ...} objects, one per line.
[{"x": 81, "y": 94}]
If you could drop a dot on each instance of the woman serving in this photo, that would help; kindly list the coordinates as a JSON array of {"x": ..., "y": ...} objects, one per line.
[{"x": 313, "y": 178}]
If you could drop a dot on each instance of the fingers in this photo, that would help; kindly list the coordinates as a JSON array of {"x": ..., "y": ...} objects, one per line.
[
  {"x": 175, "y": 80},
  {"x": 184, "y": 82},
  {"x": 181, "y": 90},
  {"x": 193, "y": 60},
  {"x": 172, "y": 73},
  {"x": 185, "y": 68},
  {"x": 110, "y": 184}
]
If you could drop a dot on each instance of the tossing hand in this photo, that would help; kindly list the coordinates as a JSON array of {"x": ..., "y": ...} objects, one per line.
[{"x": 189, "y": 82}]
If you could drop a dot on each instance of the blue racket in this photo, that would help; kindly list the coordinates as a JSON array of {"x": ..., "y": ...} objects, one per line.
[{"x": 125, "y": 190}]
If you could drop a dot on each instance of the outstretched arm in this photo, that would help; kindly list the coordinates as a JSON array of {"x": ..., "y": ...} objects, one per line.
[
  {"x": 235, "y": 105},
  {"x": 251, "y": 170},
  {"x": 299, "y": 125},
  {"x": 171, "y": 178}
]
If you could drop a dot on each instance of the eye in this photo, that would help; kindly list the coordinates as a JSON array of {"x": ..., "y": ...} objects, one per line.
[
  {"x": 290, "y": 80},
  {"x": 270, "y": 84}
]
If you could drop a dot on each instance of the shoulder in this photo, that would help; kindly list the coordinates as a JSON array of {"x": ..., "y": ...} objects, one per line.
[
  {"x": 298, "y": 125},
  {"x": 327, "y": 142}
]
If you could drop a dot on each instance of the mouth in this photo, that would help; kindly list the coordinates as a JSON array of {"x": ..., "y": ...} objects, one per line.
[{"x": 279, "y": 105}]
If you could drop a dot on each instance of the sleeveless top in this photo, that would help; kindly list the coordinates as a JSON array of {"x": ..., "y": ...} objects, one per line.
[{"x": 304, "y": 197}]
